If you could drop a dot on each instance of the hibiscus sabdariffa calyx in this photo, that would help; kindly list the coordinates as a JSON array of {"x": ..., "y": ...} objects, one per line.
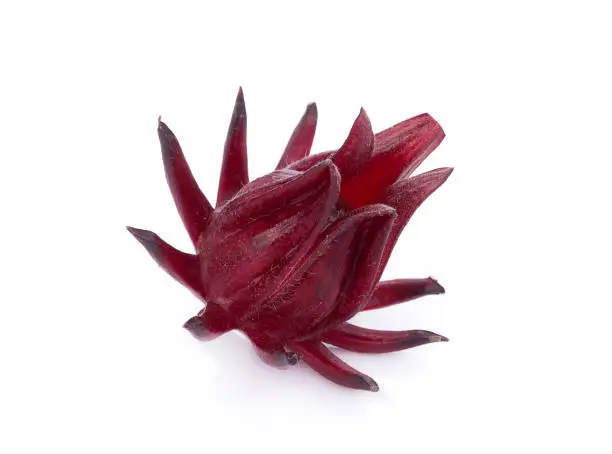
[{"x": 290, "y": 257}]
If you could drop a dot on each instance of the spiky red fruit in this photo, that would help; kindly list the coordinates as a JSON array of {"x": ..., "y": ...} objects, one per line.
[{"x": 290, "y": 257}]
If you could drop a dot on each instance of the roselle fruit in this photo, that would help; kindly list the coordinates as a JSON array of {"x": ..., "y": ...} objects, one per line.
[{"x": 290, "y": 257}]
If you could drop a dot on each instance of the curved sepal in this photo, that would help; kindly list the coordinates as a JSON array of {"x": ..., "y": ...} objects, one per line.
[
  {"x": 183, "y": 267},
  {"x": 374, "y": 223},
  {"x": 323, "y": 361},
  {"x": 406, "y": 196},
  {"x": 397, "y": 291},
  {"x": 364, "y": 340},
  {"x": 251, "y": 244},
  {"x": 283, "y": 189}
]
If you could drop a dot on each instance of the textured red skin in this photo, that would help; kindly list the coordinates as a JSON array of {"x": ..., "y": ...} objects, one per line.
[{"x": 290, "y": 257}]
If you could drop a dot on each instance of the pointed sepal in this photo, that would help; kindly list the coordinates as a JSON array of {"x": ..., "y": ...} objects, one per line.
[
  {"x": 235, "y": 167},
  {"x": 357, "y": 148},
  {"x": 301, "y": 140},
  {"x": 192, "y": 205},
  {"x": 323, "y": 361}
]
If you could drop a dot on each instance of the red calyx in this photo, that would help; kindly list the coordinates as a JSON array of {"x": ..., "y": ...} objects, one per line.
[{"x": 290, "y": 257}]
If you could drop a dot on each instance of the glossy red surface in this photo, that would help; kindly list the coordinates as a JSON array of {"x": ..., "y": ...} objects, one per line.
[{"x": 290, "y": 257}]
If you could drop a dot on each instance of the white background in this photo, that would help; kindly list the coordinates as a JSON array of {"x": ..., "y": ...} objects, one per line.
[{"x": 93, "y": 356}]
